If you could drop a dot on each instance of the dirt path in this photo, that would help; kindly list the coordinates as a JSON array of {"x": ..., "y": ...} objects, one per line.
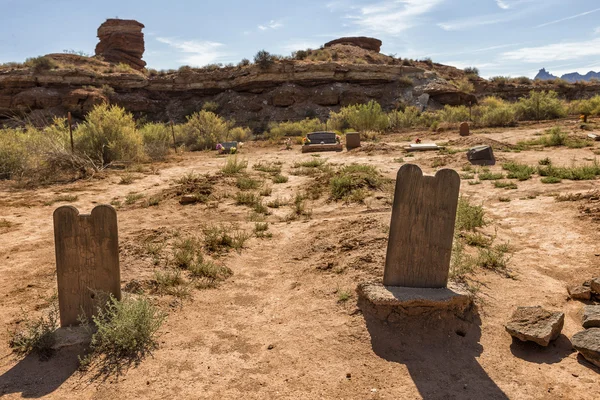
[{"x": 276, "y": 329}]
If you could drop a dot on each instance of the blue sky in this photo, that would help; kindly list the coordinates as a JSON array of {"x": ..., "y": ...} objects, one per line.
[{"x": 500, "y": 37}]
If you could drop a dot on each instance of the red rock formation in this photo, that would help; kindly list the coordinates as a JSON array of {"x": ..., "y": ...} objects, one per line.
[
  {"x": 363, "y": 42},
  {"x": 122, "y": 41}
]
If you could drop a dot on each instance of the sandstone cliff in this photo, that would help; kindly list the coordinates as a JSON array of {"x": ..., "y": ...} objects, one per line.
[{"x": 121, "y": 41}]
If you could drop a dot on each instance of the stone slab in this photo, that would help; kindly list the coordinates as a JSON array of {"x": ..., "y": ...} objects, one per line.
[
  {"x": 453, "y": 298},
  {"x": 481, "y": 155},
  {"x": 87, "y": 260},
  {"x": 535, "y": 324},
  {"x": 423, "y": 147},
  {"x": 72, "y": 336},
  {"x": 322, "y": 138},
  {"x": 587, "y": 343},
  {"x": 595, "y": 286},
  {"x": 352, "y": 140},
  {"x": 421, "y": 228},
  {"x": 314, "y": 148},
  {"x": 591, "y": 317},
  {"x": 579, "y": 292}
]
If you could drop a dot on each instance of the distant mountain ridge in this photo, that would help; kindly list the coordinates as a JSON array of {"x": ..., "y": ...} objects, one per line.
[{"x": 572, "y": 77}]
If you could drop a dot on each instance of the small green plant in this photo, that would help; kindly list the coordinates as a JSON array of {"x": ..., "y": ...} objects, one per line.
[
  {"x": 280, "y": 178},
  {"x": 270, "y": 168},
  {"x": 468, "y": 216},
  {"x": 277, "y": 203},
  {"x": 299, "y": 208},
  {"x": 221, "y": 238},
  {"x": 343, "y": 295},
  {"x": 351, "y": 182},
  {"x": 505, "y": 185},
  {"x": 504, "y": 199},
  {"x": 476, "y": 239},
  {"x": 126, "y": 179},
  {"x": 126, "y": 331},
  {"x": 207, "y": 273},
  {"x": 171, "y": 282},
  {"x": 518, "y": 171},
  {"x": 234, "y": 166},
  {"x": 266, "y": 191},
  {"x": 261, "y": 230},
  {"x": 551, "y": 179},
  {"x": 133, "y": 197},
  {"x": 490, "y": 176},
  {"x": 246, "y": 199},
  {"x": 63, "y": 198},
  {"x": 494, "y": 257},
  {"x": 545, "y": 161},
  {"x": 37, "y": 336},
  {"x": 247, "y": 183},
  {"x": 153, "y": 201}
]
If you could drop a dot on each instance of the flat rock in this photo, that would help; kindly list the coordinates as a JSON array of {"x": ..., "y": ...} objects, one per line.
[
  {"x": 450, "y": 298},
  {"x": 71, "y": 336},
  {"x": 535, "y": 324},
  {"x": 579, "y": 292},
  {"x": 595, "y": 286},
  {"x": 587, "y": 343},
  {"x": 591, "y": 317},
  {"x": 188, "y": 199}
]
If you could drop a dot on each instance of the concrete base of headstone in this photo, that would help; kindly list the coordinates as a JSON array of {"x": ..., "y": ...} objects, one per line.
[
  {"x": 395, "y": 304},
  {"x": 313, "y": 148},
  {"x": 72, "y": 336}
]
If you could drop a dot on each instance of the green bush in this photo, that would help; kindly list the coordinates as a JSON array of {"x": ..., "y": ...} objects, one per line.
[
  {"x": 36, "y": 336},
  {"x": 14, "y": 153},
  {"x": 41, "y": 63},
  {"x": 264, "y": 59},
  {"x": 157, "y": 139},
  {"x": 351, "y": 181},
  {"x": 278, "y": 130},
  {"x": 362, "y": 117},
  {"x": 239, "y": 134},
  {"x": 109, "y": 134},
  {"x": 540, "y": 106},
  {"x": 471, "y": 71},
  {"x": 468, "y": 216},
  {"x": 203, "y": 130},
  {"x": 454, "y": 114},
  {"x": 126, "y": 331}
]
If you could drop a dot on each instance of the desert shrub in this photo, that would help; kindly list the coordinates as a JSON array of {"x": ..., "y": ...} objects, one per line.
[
  {"x": 157, "y": 139},
  {"x": 37, "y": 335},
  {"x": 126, "y": 332},
  {"x": 264, "y": 59},
  {"x": 540, "y": 105},
  {"x": 203, "y": 130},
  {"x": 239, "y": 134},
  {"x": 523, "y": 80},
  {"x": 505, "y": 185},
  {"x": 14, "y": 153},
  {"x": 575, "y": 173},
  {"x": 124, "y": 68},
  {"x": 280, "y": 178},
  {"x": 278, "y": 130},
  {"x": 244, "y": 63},
  {"x": 465, "y": 86},
  {"x": 41, "y": 63},
  {"x": 247, "y": 183},
  {"x": 471, "y": 71},
  {"x": 454, "y": 114},
  {"x": 468, "y": 216},
  {"x": 268, "y": 167},
  {"x": 351, "y": 182},
  {"x": 495, "y": 115},
  {"x": 362, "y": 117},
  {"x": 300, "y": 54},
  {"x": 586, "y": 106},
  {"x": 220, "y": 237},
  {"x": 499, "y": 80},
  {"x": 487, "y": 175},
  {"x": 518, "y": 171},
  {"x": 109, "y": 134},
  {"x": 211, "y": 106},
  {"x": 409, "y": 118},
  {"x": 234, "y": 166}
]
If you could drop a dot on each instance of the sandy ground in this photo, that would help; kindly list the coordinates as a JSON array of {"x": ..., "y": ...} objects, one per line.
[{"x": 276, "y": 329}]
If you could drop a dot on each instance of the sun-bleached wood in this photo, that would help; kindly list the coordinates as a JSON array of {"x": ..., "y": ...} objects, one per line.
[
  {"x": 87, "y": 260},
  {"x": 422, "y": 228}
]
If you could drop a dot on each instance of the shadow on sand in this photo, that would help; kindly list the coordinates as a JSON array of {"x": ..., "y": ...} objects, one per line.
[
  {"x": 440, "y": 355},
  {"x": 532, "y": 352},
  {"x": 34, "y": 378}
]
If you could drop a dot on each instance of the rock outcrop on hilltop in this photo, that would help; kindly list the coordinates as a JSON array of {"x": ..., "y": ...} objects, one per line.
[
  {"x": 571, "y": 77},
  {"x": 122, "y": 41},
  {"x": 363, "y": 42},
  {"x": 544, "y": 75}
]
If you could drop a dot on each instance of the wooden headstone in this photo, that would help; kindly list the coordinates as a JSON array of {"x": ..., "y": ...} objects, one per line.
[
  {"x": 464, "y": 129},
  {"x": 422, "y": 228},
  {"x": 352, "y": 140},
  {"x": 87, "y": 260}
]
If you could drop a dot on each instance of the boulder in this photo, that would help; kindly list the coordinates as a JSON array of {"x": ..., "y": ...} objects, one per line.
[
  {"x": 122, "y": 41},
  {"x": 587, "y": 343},
  {"x": 535, "y": 324},
  {"x": 579, "y": 292},
  {"x": 595, "y": 286},
  {"x": 591, "y": 317},
  {"x": 363, "y": 42}
]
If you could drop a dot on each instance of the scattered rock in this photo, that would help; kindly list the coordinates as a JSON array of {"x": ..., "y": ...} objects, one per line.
[
  {"x": 535, "y": 324},
  {"x": 595, "y": 286},
  {"x": 580, "y": 292},
  {"x": 188, "y": 199},
  {"x": 270, "y": 347},
  {"x": 481, "y": 155},
  {"x": 587, "y": 343},
  {"x": 464, "y": 129},
  {"x": 591, "y": 317},
  {"x": 122, "y": 41},
  {"x": 363, "y": 42}
]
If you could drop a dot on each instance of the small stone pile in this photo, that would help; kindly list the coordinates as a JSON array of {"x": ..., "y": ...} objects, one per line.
[
  {"x": 587, "y": 342},
  {"x": 122, "y": 41},
  {"x": 535, "y": 324}
]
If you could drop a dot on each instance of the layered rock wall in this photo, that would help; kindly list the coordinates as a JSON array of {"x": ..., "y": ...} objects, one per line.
[{"x": 122, "y": 41}]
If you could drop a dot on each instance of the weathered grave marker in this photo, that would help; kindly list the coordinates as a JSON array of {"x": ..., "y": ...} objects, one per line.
[
  {"x": 481, "y": 155},
  {"x": 352, "y": 140},
  {"x": 422, "y": 228},
  {"x": 87, "y": 260},
  {"x": 464, "y": 129}
]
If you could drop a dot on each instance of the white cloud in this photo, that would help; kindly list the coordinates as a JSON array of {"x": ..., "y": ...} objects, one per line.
[
  {"x": 568, "y": 18},
  {"x": 555, "y": 52},
  {"x": 391, "y": 16},
  {"x": 271, "y": 25},
  {"x": 502, "y": 4},
  {"x": 196, "y": 52},
  {"x": 478, "y": 20}
]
